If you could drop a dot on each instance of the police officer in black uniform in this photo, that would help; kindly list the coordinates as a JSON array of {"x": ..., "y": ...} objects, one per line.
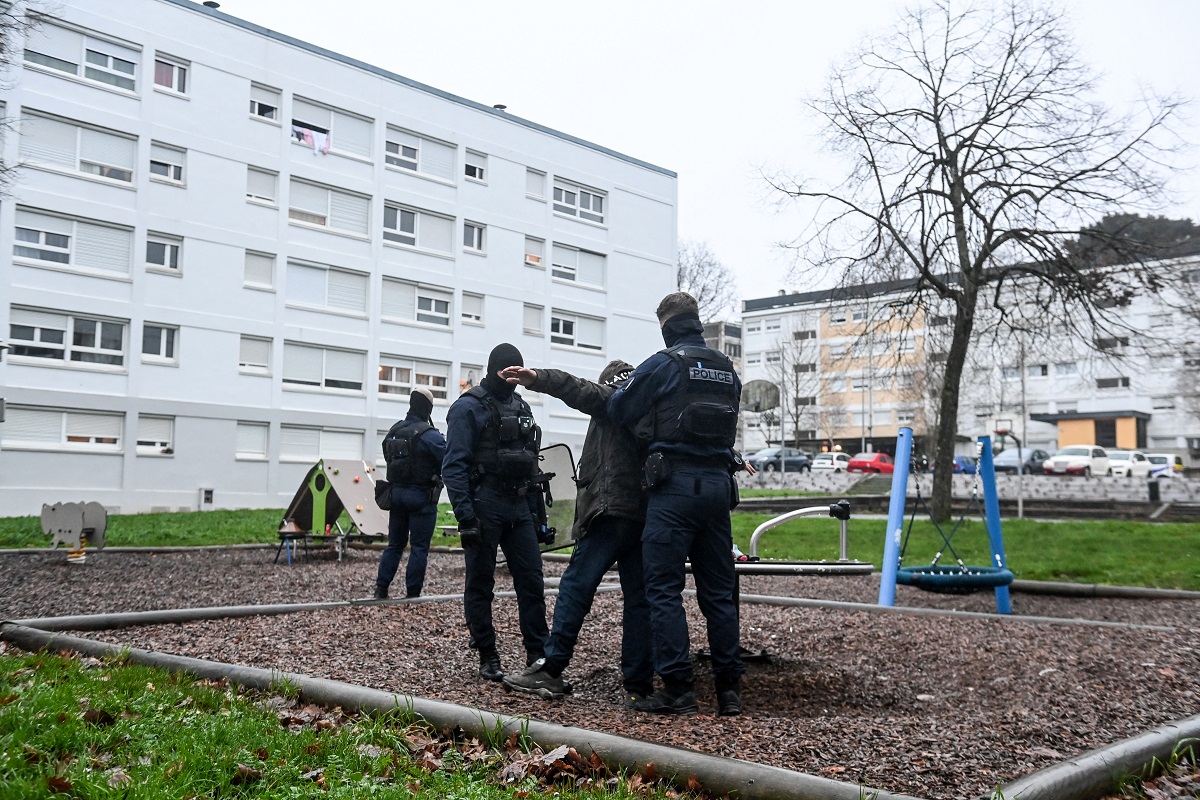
[
  {"x": 692, "y": 394},
  {"x": 414, "y": 450},
  {"x": 491, "y": 455}
]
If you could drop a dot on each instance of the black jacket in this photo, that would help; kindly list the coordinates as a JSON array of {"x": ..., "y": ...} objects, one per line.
[{"x": 610, "y": 466}]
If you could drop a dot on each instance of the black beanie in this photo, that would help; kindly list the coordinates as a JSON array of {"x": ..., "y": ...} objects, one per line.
[
  {"x": 504, "y": 355},
  {"x": 420, "y": 402}
]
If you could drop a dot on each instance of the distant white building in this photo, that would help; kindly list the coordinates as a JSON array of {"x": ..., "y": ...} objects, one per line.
[{"x": 231, "y": 253}]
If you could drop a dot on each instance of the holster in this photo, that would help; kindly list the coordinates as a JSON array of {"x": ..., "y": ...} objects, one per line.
[{"x": 655, "y": 471}]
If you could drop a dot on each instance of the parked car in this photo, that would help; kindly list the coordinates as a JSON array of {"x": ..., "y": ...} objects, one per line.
[
  {"x": 1129, "y": 463},
  {"x": 1030, "y": 459},
  {"x": 830, "y": 462},
  {"x": 963, "y": 465},
  {"x": 871, "y": 462},
  {"x": 1078, "y": 459},
  {"x": 774, "y": 459},
  {"x": 1164, "y": 465}
]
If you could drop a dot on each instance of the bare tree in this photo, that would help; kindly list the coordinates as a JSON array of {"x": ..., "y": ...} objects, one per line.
[
  {"x": 14, "y": 25},
  {"x": 792, "y": 364},
  {"x": 705, "y": 278},
  {"x": 977, "y": 155}
]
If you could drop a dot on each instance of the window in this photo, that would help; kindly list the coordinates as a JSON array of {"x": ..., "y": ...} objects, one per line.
[
  {"x": 801, "y": 368},
  {"x": 532, "y": 320},
  {"x": 810, "y": 400},
  {"x": 1112, "y": 342},
  {"x": 860, "y": 384},
  {"x": 469, "y": 376},
  {"x": 1066, "y": 368},
  {"x": 49, "y": 240},
  {"x": 1011, "y": 373},
  {"x": 573, "y": 264},
  {"x": 254, "y": 355},
  {"x": 412, "y": 302},
  {"x": 155, "y": 436},
  {"x": 399, "y": 375},
  {"x": 170, "y": 73},
  {"x": 858, "y": 315},
  {"x": 905, "y": 417},
  {"x": 322, "y": 368},
  {"x": 158, "y": 343},
  {"x": 800, "y": 336},
  {"x": 418, "y": 228},
  {"x": 308, "y": 444},
  {"x": 906, "y": 345},
  {"x": 58, "y": 336},
  {"x": 837, "y": 316},
  {"x": 261, "y": 185},
  {"x": 264, "y": 102},
  {"x": 1112, "y": 383},
  {"x": 58, "y": 143},
  {"x": 251, "y": 440},
  {"x": 938, "y": 321},
  {"x": 754, "y": 326},
  {"x": 535, "y": 251},
  {"x": 472, "y": 308},
  {"x": 1035, "y": 370},
  {"x": 753, "y": 358},
  {"x": 836, "y": 385},
  {"x": 324, "y": 128},
  {"x": 327, "y": 207},
  {"x": 733, "y": 350},
  {"x": 576, "y": 331},
  {"x": 322, "y": 286},
  {"x": 473, "y": 236},
  {"x": 166, "y": 163},
  {"x": 535, "y": 184},
  {"x": 260, "y": 270},
  {"x": 838, "y": 349},
  {"x": 773, "y": 357},
  {"x": 162, "y": 251},
  {"x": 1162, "y": 403},
  {"x": 475, "y": 166},
  {"x": 578, "y": 201},
  {"x": 102, "y": 61},
  {"x": 772, "y": 325},
  {"x": 45, "y": 428},
  {"x": 420, "y": 154}
]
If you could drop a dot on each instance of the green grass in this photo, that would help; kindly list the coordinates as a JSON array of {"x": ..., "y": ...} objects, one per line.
[
  {"x": 779, "y": 493},
  {"x": 86, "y": 728},
  {"x": 1114, "y": 552}
]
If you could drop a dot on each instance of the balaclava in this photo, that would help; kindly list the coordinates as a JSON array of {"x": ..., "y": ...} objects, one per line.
[
  {"x": 503, "y": 355},
  {"x": 420, "y": 403},
  {"x": 679, "y": 326}
]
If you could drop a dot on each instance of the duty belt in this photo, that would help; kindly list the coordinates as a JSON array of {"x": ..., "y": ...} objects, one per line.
[
  {"x": 519, "y": 487},
  {"x": 685, "y": 462}
]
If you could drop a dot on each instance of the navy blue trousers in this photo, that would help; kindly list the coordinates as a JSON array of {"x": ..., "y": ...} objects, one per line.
[{"x": 413, "y": 513}]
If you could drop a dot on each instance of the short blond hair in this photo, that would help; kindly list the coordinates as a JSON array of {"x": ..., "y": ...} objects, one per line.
[{"x": 675, "y": 304}]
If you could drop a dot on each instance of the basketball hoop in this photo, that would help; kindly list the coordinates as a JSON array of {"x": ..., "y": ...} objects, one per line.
[{"x": 1001, "y": 432}]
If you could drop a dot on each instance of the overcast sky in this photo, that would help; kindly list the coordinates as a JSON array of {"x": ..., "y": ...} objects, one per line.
[{"x": 712, "y": 90}]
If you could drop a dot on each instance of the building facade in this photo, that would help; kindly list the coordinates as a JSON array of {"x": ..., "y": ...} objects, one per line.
[{"x": 229, "y": 253}]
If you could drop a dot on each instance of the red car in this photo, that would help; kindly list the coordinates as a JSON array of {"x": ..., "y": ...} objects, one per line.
[{"x": 872, "y": 462}]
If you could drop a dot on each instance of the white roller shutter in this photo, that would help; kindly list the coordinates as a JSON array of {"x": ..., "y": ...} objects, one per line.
[
  {"x": 349, "y": 212},
  {"x": 533, "y": 319},
  {"x": 48, "y": 141},
  {"x": 44, "y": 222},
  {"x": 303, "y": 364},
  {"x": 352, "y": 134},
  {"x": 591, "y": 268},
  {"x": 311, "y": 113},
  {"x": 106, "y": 426},
  {"x": 472, "y": 307},
  {"x": 297, "y": 442},
  {"x": 38, "y": 319},
  {"x": 155, "y": 429},
  {"x": 262, "y": 94},
  {"x": 342, "y": 444},
  {"x": 32, "y": 426},
  {"x": 405, "y": 138},
  {"x": 102, "y": 247},
  {"x": 535, "y": 183},
  {"x": 347, "y": 290},
  {"x": 108, "y": 149},
  {"x": 345, "y": 366},
  {"x": 254, "y": 352},
  {"x": 399, "y": 300},
  {"x": 308, "y": 197},
  {"x": 54, "y": 41},
  {"x": 589, "y": 333},
  {"x": 306, "y": 284},
  {"x": 437, "y": 159},
  {"x": 435, "y": 233},
  {"x": 260, "y": 269},
  {"x": 166, "y": 154},
  {"x": 252, "y": 439},
  {"x": 260, "y": 183}
]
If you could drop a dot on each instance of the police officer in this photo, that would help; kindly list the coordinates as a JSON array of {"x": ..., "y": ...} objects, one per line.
[
  {"x": 683, "y": 401},
  {"x": 610, "y": 510},
  {"x": 491, "y": 454},
  {"x": 414, "y": 450}
]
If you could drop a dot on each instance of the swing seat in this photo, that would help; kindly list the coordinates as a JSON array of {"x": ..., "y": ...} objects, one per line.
[{"x": 953, "y": 579}]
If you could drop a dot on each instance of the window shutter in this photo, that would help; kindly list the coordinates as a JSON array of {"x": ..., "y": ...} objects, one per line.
[
  {"x": 352, "y": 134},
  {"x": 262, "y": 94},
  {"x": 589, "y": 332},
  {"x": 252, "y": 438},
  {"x": 435, "y": 233},
  {"x": 405, "y": 138},
  {"x": 535, "y": 183},
  {"x": 260, "y": 269},
  {"x": 533, "y": 319},
  {"x": 306, "y": 284},
  {"x": 347, "y": 290},
  {"x": 436, "y": 369},
  {"x": 112, "y": 49},
  {"x": 38, "y": 319},
  {"x": 260, "y": 183},
  {"x": 254, "y": 351},
  {"x": 102, "y": 425},
  {"x": 437, "y": 159},
  {"x": 349, "y": 212},
  {"x": 297, "y": 442},
  {"x": 313, "y": 114},
  {"x": 48, "y": 141},
  {"x": 33, "y": 425},
  {"x": 102, "y": 247},
  {"x": 51, "y": 40},
  {"x": 44, "y": 222},
  {"x": 166, "y": 154},
  {"x": 105, "y": 148},
  {"x": 565, "y": 256},
  {"x": 399, "y": 300},
  {"x": 155, "y": 429},
  {"x": 303, "y": 364},
  {"x": 472, "y": 306},
  {"x": 308, "y": 197},
  {"x": 344, "y": 365},
  {"x": 342, "y": 444},
  {"x": 591, "y": 268},
  {"x": 477, "y": 160}
]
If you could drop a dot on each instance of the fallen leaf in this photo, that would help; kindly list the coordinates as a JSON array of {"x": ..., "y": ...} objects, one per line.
[
  {"x": 8, "y": 699},
  {"x": 59, "y": 785},
  {"x": 244, "y": 774},
  {"x": 119, "y": 779},
  {"x": 98, "y": 716},
  {"x": 315, "y": 775}
]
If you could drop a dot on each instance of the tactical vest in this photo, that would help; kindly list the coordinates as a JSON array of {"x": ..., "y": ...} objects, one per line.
[
  {"x": 408, "y": 464},
  {"x": 509, "y": 442},
  {"x": 704, "y": 409}
]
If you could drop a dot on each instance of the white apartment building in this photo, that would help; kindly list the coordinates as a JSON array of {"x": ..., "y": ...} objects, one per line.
[
  {"x": 228, "y": 253},
  {"x": 844, "y": 388}
]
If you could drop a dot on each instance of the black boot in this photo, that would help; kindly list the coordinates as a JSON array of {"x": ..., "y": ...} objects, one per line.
[
  {"x": 729, "y": 697},
  {"x": 676, "y": 697},
  {"x": 489, "y": 665},
  {"x": 381, "y": 592}
]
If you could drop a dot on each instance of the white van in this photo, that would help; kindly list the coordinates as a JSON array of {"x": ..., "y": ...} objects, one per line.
[{"x": 1164, "y": 465}]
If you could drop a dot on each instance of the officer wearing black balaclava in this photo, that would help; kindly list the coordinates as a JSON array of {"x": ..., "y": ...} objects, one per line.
[
  {"x": 491, "y": 454},
  {"x": 414, "y": 450}
]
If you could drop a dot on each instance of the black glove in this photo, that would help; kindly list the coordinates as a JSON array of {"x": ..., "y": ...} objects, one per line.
[
  {"x": 545, "y": 535},
  {"x": 468, "y": 532}
]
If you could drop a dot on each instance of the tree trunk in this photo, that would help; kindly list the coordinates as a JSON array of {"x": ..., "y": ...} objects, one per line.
[{"x": 956, "y": 359}]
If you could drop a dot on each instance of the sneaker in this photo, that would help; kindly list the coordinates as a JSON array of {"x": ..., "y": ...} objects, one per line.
[
  {"x": 729, "y": 703},
  {"x": 536, "y": 681},
  {"x": 489, "y": 667},
  {"x": 665, "y": 701},
  {"x": 381, "y": 592}
]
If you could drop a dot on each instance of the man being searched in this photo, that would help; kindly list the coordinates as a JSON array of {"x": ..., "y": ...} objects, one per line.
[
  {"x": 491, "y": 457},
  {"x": 610, "y": 509},
  {"x": 683, "y": 402},
  {"x": 414, "y": 450}
]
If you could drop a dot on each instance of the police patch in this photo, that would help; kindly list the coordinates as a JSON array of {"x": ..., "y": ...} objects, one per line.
[{"x": 715, "y": 375}]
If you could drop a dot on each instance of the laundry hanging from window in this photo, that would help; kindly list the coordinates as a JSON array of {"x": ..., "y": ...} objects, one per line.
[{"x": 319, "y": 141}]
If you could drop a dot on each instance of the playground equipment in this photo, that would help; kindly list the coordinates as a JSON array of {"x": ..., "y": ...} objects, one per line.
[
  {"x": 314, "y": 515},
  {"x": 959, "y": 578},
  {"x": 75, "y": 525}
]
